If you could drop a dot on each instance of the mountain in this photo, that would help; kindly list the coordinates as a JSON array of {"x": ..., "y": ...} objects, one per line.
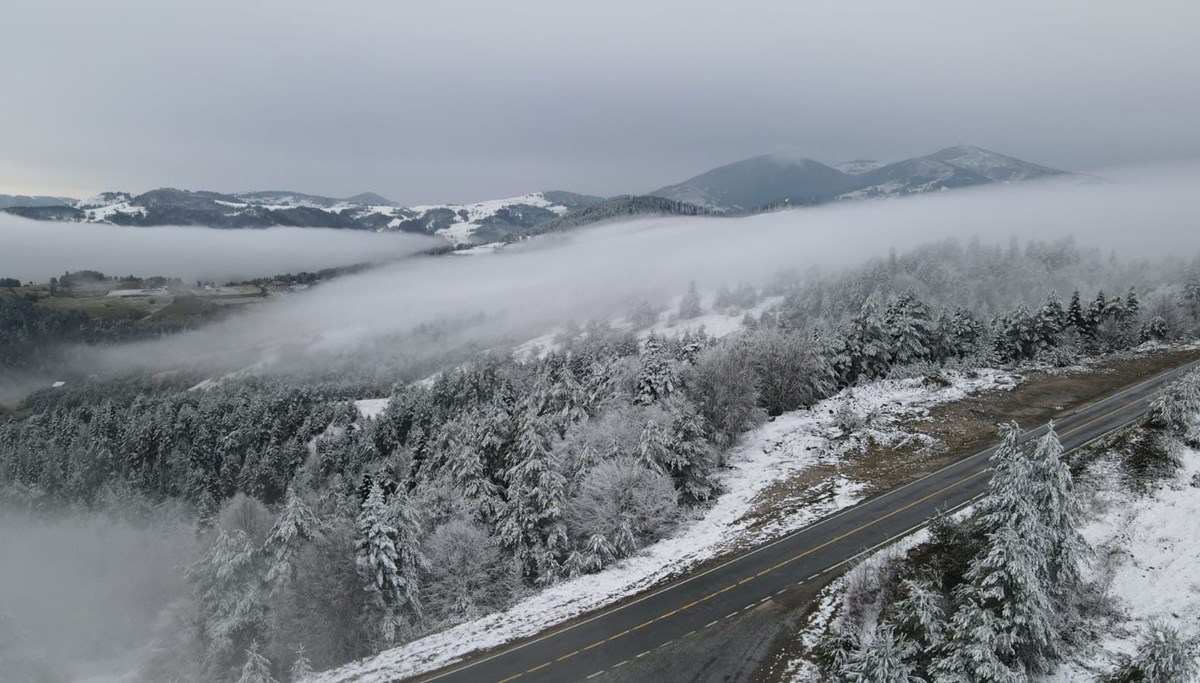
[
  {"x": 772, "y": 180},
  {"x": 9, "y": 200},
  {"x": 747, "y": 186},
  {"x": 480, "y": 222},
  {"x": 992, "y": 165},
  {"x": 912, "y": 176},
  {"x": 757, "y": 181},
  {"x": 618, "y": 208}
]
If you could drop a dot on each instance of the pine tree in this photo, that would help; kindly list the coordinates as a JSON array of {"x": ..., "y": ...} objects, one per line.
[
  {"x": 530, "y": 523},
  {"x": 301, "y": 668},
  {"x": 1076, "y": 317},
  {"x": 296, "y": 524},
  {"x": 232, "y": 601},
  {"x": 388, "y": 561},
  {"x": 656, "y": 379},
  {"x": 1051, "y": 320},
  {"x": 911, "y": 329},
  {"x": 689, "y": 306},
  {"x": 868, "y": 346},
  {"x": 257, "y": 668},
  {"x": 883, "y": 660},
  {"x": 921, "y": 613},
  {"x": 1162, "y": 656},
  {"x": 1062, "y": 516}
]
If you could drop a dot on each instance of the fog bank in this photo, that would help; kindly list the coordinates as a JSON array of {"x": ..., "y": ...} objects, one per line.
[
  {"x": 528, "y": 288},
  {"x": 39, "y": 250}
]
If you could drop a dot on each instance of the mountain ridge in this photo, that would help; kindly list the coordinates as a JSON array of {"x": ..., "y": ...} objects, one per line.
[{"x": 747, "y": 186}]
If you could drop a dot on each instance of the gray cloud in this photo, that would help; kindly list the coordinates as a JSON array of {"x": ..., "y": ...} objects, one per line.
[{"x": 458, "y": 100}]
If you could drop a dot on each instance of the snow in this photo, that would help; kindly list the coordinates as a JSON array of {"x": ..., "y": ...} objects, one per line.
[
  {"x": 106, "y": 213},
  {"x": 1148, "y": 556},
  {"x": 715, "y": 323},
  {"x": 371, "y": 407},
  {"x": 773, "y": 452},
  {"x": 460, "y": 232},
  {"x": 480, "y": 250}
]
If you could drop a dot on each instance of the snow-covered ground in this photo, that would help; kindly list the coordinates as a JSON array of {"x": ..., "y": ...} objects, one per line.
[
  {"x": 1148, "y": 557},
  {"x": 371, "y": 407},
  {"x": 770, "y": 454}
]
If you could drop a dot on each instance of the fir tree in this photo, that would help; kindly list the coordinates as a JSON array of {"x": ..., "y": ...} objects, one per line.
[
  {"x": 232, "y": 601},
  {"x": 296, "y": 524},
  {"x": 529, "y": 524},
  {"x": 910, "y": 328},
  {"x": 257, "y": 668},
  {"x": 301, "y": 667},
  {"x": 1076, "y": 317},
  {"x": 388, "y": 563},
  {"x": 1051, "y": 320},
  {"x": 689, "y": 306},
  {"x": 1162, "y": 656},
  {"x": 656, "y": 379}
]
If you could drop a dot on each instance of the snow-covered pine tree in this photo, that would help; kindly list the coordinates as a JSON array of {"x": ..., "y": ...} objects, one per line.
[
  {"x": 977, "y": 647},
  {"x": 1163, "y": 655},
  {"x": 656, "y": 378},
  {"x": 1010, "y": 578},
  {"x": 885, "y": 659},
  {"x": 295, "y": 525},
  {"x": 301, "y": 667},
  {"x": 691, "y": 459},
  {"x": 1062, "y": 515},
  {"x": 921, "y": 613},
  {"x": 530, "y": 523},
  {"x": 386, "y": 568},
  {"x": 868, "y": 346},
  {"x": 232, "y": 601},
  {"x": 257, "y": 668},
  {"x": 689, "y": 306},
  {"x": 911, "y": 329},
  {"x": 1050, "y": 321}
]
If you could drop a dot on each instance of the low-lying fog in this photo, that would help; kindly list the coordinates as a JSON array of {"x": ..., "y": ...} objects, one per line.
[
  {"x": 38, "y": 250},
  {"x": 526, "y": 289}
]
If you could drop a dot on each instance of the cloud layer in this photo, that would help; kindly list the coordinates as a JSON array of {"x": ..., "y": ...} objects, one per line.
[{"x": 37, "y": 251}]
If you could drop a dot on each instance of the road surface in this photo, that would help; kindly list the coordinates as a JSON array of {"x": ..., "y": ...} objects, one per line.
[{"x": 614, "y": 637}]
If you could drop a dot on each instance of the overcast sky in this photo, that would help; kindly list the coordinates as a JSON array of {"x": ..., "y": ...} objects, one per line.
[{"x": 450, "y": 100}]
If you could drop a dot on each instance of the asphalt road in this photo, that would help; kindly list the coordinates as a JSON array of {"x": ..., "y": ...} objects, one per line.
[{"x": 617, "y": 636}]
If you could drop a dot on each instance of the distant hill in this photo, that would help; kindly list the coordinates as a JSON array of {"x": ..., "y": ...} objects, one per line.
[
  {"x": 772, "y": 180},
  {"x": 9, "y": 200},
  {"x": 744, "y": 185},
  {"x": 618, "y": 208},
  {"x": 487, "y": 221}
]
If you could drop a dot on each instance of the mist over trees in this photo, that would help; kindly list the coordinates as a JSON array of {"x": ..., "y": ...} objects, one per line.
[{"x": 323, "y": 536}]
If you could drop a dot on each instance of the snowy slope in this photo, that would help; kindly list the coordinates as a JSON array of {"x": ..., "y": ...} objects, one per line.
[
  {"x": 773, "y": 452},
  {"x": 1148, "y": 557}
]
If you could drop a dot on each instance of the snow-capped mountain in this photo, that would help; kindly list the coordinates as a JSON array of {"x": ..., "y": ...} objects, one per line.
[
  {"x": 992, "y": 165},
  {"x": 761, "y": 181},
  {"x": 741, "y": 187}
]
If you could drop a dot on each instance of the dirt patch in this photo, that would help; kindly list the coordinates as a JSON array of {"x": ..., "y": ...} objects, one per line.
[{"x": 955, "y": 430}]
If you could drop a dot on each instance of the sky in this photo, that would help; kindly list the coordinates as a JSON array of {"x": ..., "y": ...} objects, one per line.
[{"x": 452, "y": 101}]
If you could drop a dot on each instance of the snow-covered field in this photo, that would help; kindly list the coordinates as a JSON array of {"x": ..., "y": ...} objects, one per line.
[{"x": 770, "y": 454}]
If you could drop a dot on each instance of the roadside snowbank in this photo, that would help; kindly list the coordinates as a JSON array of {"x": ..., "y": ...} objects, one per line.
[{"x": 771, "y": 453}]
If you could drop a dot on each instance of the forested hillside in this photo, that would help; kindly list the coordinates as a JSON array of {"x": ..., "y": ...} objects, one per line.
[{"x": 325, "y": 535}]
